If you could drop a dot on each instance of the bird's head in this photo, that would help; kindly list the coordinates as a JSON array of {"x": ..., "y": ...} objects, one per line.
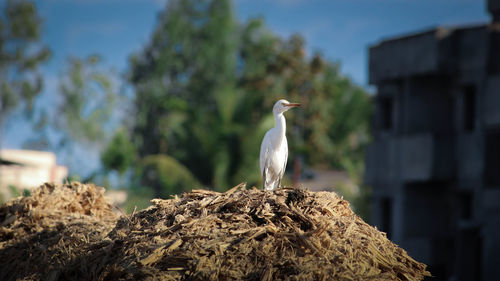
[{"x": 283, "y": 105}]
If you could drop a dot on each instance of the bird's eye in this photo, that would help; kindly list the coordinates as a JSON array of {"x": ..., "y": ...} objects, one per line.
[{"x": 283, "y": 104}]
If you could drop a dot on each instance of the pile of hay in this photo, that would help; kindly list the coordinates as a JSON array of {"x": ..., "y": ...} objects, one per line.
[
  {"x": 286, "y": 234},
  {"x": 40, "y": 234}
]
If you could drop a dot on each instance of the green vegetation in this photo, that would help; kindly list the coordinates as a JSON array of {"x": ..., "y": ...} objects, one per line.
[
  {"x": 20, "y": 55},
  {"x": 138, "y": 198},
  {"x": 166, "y": 175},
  {"x": 203, "y": 90},
  {"x": 88, "y": 99},
  {"x": 16, "y": 192},
  {"x": 205, "y": 85}
]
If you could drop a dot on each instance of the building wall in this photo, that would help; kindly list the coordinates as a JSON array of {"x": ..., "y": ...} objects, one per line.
[
  {"x": 494, "y": 9},
  {"x": 30, "y": 169},
  {"x": 434, "y": 164}
]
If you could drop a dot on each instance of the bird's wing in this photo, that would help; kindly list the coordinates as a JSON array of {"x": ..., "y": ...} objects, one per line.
[
  {"x": 266, "y": 176},
  {"x": 264, "y": 152},
  {"x": 285, "y": 152},
  {"x": 265, "y": 158}
]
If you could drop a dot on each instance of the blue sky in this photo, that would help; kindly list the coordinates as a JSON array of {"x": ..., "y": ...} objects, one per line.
[{"x": 340, "y": 29}]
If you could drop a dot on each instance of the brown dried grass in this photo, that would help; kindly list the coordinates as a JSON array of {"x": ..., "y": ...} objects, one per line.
[
  {"x": 40, "y": 234},
  {"x": 286, "y": 234}
]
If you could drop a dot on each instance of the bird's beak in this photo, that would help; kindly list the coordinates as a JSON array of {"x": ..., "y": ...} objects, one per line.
[{"x": 293, "y": 104}]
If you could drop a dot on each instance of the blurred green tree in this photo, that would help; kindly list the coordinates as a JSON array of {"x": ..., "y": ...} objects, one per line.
[
  {"x": 87, "y": 100},
  {"x": 87, "y": 114},
  {"x": 21, "y": 52},
  {"x": 166, "y": 175},
  {"x": 205, "y": 86},
  {"x": 120, "y": 153}
]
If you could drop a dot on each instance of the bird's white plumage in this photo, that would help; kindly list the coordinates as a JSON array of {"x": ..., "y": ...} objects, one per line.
[
  {"x": 273, "y": 158},
  {"x": 274, "y": 148}
]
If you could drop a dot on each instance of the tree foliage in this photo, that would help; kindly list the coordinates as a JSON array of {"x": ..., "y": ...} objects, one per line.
[
  {"x": 87, "y": 99},
  {"x": 166, "y": 175},
  {"x": 89, "y": 109},
  {"x": 205, "y": 86},
  {"x": 120, "y": 153},
  {"x": 20, "y": 55}
]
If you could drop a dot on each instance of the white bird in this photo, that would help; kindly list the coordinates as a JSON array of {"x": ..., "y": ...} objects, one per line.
[{"x": 274, "y": 148}]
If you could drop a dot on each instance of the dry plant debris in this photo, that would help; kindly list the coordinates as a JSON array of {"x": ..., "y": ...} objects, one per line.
[
  {"x": 285, "y": 234},
  {"x": 42, "y": 233}
]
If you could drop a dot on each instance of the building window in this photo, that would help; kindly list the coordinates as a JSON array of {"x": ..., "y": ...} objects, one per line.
[
  {"x": 386, "y": 212},
  {"x": 386, "y": 114},
  {"x": 469, "y": 254},
  {"x": 469, "y": 108},
  {"x": 492, "y": 158},
  {"x": 465, "y": 200},
  {"x": 494, "y": 55}
]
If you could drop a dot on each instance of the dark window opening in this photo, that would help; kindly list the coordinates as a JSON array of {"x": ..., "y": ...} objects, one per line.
[
  {"x": 386, "y": 108},
  {"x": 494, "y": 55},
  {"x": 469, "y": 261},
  {"x": 492, "y": 158},
  {"x": 469, "y": 108},
  {"x": 465, "y": 205},
  {"x": 439, "y": 271},
  {"x": 386, "y": 210}
]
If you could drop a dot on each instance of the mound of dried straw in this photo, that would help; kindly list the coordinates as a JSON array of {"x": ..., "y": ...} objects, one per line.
[
  {"x": 286, "y": 234},
  {"x": 40, "y": 234}
]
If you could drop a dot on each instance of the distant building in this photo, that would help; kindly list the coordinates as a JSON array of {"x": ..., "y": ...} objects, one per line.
[
  {"x": 25, "y": 169},
  {"x": 434, "y": 164}
]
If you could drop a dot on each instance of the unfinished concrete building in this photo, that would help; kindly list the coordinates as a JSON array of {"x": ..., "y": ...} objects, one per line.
[{"x": 434, "y": 164}]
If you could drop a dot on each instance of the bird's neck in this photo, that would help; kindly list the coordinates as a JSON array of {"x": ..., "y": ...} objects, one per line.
[{"x": 280, "y": 126}]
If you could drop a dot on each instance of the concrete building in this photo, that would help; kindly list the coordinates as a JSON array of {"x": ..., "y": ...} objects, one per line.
[
  {"x": 25, "y": 169},
  {"x": 434, "y": 164}
]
